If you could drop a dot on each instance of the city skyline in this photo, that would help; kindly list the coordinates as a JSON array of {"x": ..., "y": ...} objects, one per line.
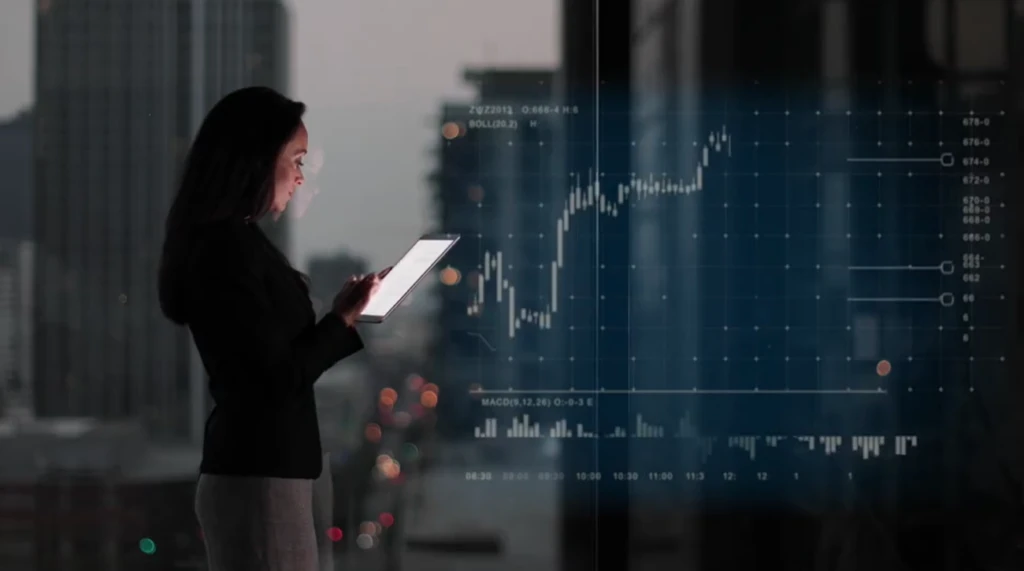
[
  {"x": 375, "y": 131},
  {"x": 118, "y": 97}
]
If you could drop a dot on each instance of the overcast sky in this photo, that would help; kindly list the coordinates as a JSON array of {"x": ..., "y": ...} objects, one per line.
[{"x": 374, "y": 73}]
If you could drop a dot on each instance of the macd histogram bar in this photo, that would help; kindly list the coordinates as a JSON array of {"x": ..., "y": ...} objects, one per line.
[{"x": 864, "y": 446}]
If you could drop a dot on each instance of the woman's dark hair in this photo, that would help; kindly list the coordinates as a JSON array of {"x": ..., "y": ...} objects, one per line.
[{"x": 228, "y": 176}]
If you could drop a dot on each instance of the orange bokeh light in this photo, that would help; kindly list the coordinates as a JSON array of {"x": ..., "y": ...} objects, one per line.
[
  {"x": 428, "y": 399},
  {"x": 373, "y": 432},
  {"x": 450, "y": 276},
  {"x": 883, "y": 368},
  {"x": 451, "y": 130}
]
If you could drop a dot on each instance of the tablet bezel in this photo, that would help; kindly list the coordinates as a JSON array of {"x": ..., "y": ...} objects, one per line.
[{"x": 432, "y": 236}]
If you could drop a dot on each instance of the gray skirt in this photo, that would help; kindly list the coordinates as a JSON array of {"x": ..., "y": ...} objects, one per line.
[{"x": 266, "y": 524}]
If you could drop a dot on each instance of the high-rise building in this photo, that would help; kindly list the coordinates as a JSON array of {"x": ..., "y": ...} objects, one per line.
[
  {"x": 701, "y": 68},
  {"x": 121, "y": 88},
  {"x": 594, "y": 76},
  {"x": 16, "y": 263},
  {"x": 229, "y": 44},
  {"x": 16, "y": 302},
  {"x": 16, "y": 186},
  {"x": 490, "y": 185},
  {"x": 456, "y": 191}
]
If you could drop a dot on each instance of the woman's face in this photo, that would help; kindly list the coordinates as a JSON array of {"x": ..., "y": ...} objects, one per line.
[{"x": 288, "y": 173}]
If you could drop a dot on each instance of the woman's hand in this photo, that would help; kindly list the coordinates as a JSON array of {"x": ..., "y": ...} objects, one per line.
[{"x": 354, "y": 296}]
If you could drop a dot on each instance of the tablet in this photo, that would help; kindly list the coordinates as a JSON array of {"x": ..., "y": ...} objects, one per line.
[{"x": 406, "y": 274}]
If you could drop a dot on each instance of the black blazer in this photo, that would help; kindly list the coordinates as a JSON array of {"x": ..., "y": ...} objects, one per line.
[{"x": 256, "y": 331}]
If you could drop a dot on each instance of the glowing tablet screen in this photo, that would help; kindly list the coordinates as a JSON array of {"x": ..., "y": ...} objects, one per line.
[{"x": 404, "y": 276}]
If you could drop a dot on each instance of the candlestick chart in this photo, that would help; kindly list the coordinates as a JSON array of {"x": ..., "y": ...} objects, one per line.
[{"x": 772, "y": 269}]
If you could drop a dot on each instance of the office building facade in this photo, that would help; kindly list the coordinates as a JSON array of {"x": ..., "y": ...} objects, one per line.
[
  {"x": 491, "y": 186},
  {"x": 121, "y": 88},
  {"x": 16, "y": 256}
]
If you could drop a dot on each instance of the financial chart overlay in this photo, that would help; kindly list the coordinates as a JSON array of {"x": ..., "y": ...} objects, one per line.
[{"x": 782, "y": 289}]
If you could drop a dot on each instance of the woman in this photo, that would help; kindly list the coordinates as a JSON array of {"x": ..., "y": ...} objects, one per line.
[{"x": 254, "y": 326}]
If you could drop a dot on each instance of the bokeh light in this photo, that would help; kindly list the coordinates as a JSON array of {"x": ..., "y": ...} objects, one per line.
[
  {"x": 388, "y": 398},
  {"x": 415, "y": 382},
  {"x": 335, "y": 534},
  {"x": 147, "y": 546},
  {"x": 386, "y": 519},
  {"x": 387, "y": 467},
  {"x": 364, "y": 541},
  {"x": 373, "y": 432},
  {"x": 428, "y": 399},
  {"x": 451, "y": 130},
  {"x": 883, "y": 368},
  {"x": 450, "y": 276}
]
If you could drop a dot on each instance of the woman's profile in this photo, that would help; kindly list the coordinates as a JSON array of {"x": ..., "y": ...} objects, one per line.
[{"x": 254, "y": 326}]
